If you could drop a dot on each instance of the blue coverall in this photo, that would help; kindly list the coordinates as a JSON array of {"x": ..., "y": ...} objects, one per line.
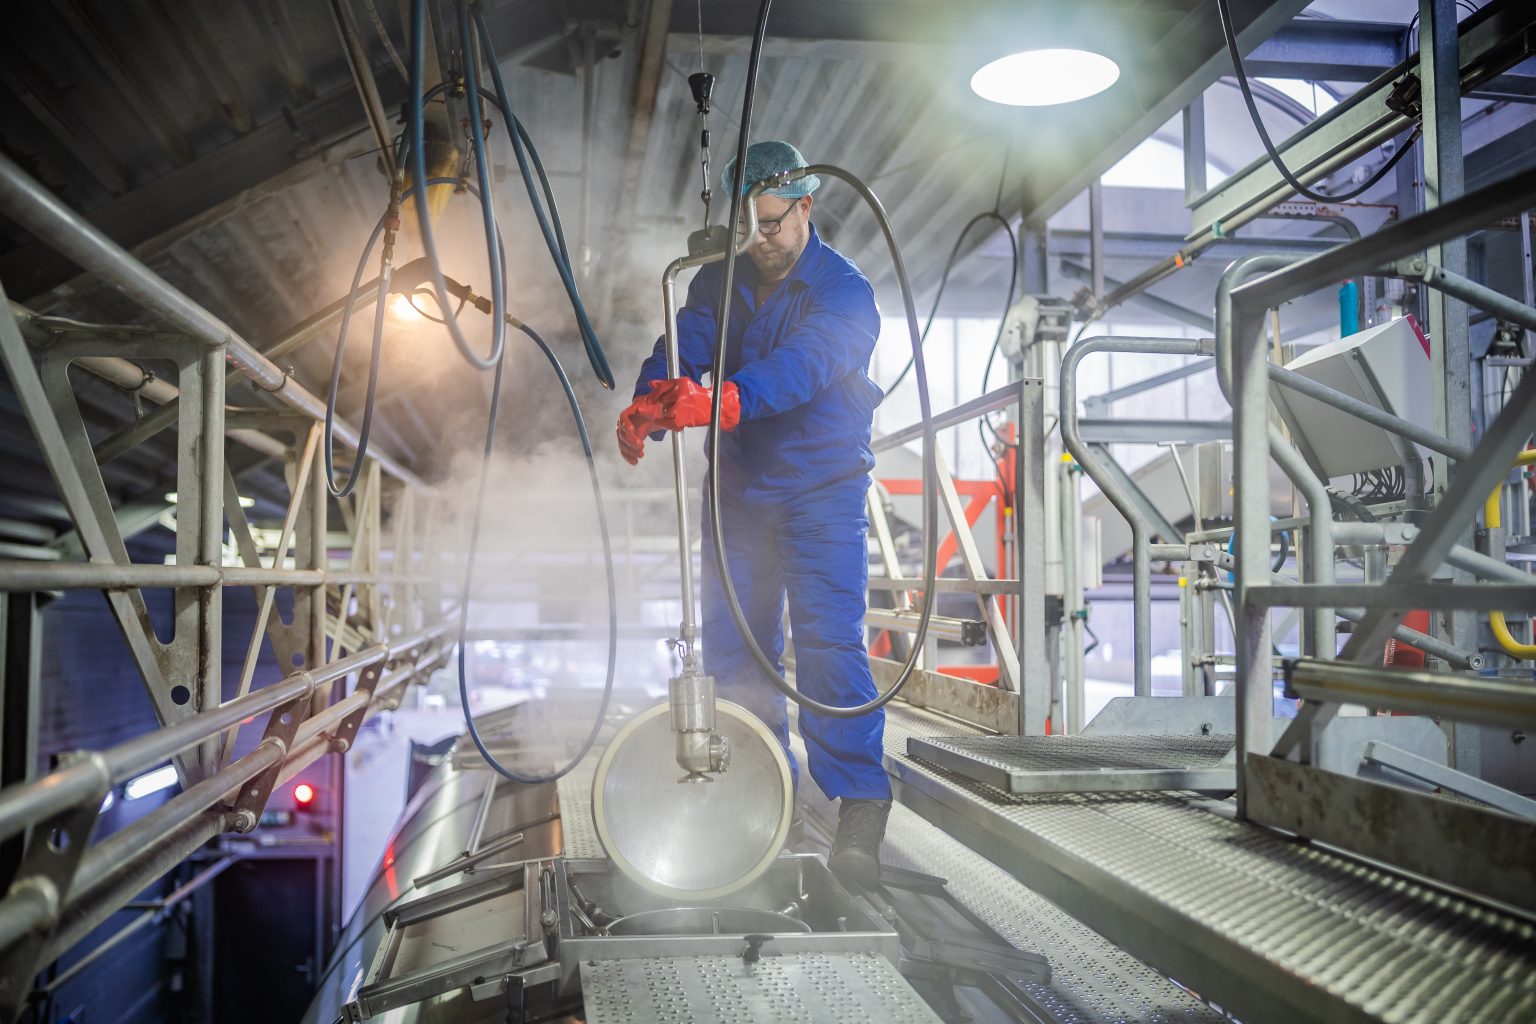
[{"x": 793, "y": 480}]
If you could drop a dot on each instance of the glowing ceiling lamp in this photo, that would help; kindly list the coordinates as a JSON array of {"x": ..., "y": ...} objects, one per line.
[{"x": 1044, "y": 78}]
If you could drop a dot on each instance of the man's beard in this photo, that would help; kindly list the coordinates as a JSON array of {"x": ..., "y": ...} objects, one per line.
[{"x": 773, "y": 262}]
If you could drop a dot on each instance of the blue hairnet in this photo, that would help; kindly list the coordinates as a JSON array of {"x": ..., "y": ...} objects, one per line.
[{"x": 769, "y": 157}]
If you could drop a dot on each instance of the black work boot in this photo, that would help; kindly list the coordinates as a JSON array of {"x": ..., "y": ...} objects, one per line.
[{"x": 855, "y": 856}]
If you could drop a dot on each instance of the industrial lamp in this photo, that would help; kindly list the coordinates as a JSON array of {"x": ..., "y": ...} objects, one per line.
[{"x": 1044, "y": 78}]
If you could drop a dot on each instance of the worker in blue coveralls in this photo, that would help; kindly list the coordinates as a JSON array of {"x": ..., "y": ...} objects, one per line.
[{"x": 796, "y": 415}]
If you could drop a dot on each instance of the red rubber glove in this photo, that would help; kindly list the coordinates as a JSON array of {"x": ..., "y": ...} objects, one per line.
[
  {"x": 686, "y": 403},
  {"x": 642, "y": 417}
]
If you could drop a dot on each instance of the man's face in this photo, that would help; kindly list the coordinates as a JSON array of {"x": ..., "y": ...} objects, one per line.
[{"x": 775, "y": 253}]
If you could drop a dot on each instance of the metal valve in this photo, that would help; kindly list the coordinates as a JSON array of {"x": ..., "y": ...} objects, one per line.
[{"x": 700, "y": 749}]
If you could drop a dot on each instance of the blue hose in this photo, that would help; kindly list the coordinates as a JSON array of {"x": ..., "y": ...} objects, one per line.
[
  {"x": 556, "y": 249},
  {"x": 415, "y": 126}
]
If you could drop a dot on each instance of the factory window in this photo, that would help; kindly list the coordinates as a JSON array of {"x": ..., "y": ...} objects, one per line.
[
  {"x": 956, "y": 356},
  {"x": 1314, "y": 97},
  {"x": 1154, "y": 163}
]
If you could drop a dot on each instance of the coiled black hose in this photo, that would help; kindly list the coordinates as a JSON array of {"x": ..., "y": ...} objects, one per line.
[
  {"x": 385, "y": 276},
  {"x": 469, "y": 568},
  {"x": 949, "y": 265},
  {"x": 930, "y": 482}
]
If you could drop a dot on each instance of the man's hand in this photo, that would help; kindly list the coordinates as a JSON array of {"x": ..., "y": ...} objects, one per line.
[
  {"x": 640, "y": 418},
  {"x": 684, "y": 402}
]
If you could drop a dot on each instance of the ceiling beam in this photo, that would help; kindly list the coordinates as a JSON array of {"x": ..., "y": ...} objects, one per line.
[
  {"x": 523, "y": 31},
  {"x": 1321, "y": 50},
  {"x": 136, "y": 217}
]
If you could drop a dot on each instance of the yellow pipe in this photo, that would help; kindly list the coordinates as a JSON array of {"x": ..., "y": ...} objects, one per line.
[{"x": 1493, "y": 519}]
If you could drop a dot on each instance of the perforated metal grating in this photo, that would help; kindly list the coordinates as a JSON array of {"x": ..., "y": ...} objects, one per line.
[
  {"x": 1092, "y": 980},
  {"x": 1320, "y": 928},
  {"x": 801, "y": 987},
  {"x": 575, "y": 790},
  {"x": 1086, "y": 753}
]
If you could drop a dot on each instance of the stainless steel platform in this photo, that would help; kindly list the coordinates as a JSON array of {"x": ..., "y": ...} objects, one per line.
[
  {"x": 577, "y": 829},
  {"x": 800, "y": 987},
  {"x": 1268, "y": 928},
  {"x": 1083, "y": 764},
  {"x": 1092, "y": 980}
]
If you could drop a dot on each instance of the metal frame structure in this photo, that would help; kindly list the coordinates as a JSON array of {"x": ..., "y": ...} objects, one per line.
[
  {"x": 379, "y": 619},
  {"x": 1019, "y": 638}
]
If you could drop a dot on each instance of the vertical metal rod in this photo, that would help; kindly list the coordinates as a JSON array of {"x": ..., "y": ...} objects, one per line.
[
  {"x": 210, "y": 544},
  {"x": 1029, "y": 541},
  {"x": 1072, "y": 593},
  {"x": 1319, "y": 550},
  {"x": 1116, "y": 492},
  {"x": 1096, "y": 234},
  {"x": 1194, "y": 150},
  {"x": 689, "y": 629},
  {"x": 1450, "y": 350},
  {"x": 1250, "y": 424}
]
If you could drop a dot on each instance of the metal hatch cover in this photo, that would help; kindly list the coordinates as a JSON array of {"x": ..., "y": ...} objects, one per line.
[{"x": 692, "y": 841}]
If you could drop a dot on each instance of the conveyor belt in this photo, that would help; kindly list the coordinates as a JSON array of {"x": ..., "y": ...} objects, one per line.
[
  {"x": 1269, "y": 928},
  {"x": 798, "y": 987}
]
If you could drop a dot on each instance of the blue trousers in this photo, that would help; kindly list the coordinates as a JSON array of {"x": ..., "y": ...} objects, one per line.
[{"x": 812, "y": 551}]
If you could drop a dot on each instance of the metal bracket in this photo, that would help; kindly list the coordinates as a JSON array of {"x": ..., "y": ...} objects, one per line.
[
  {"x": 47, "y": 871},
  {"x": 367, "y": 682},
  {"x": 1406, "y": 97},
  {"x": 282, "y": 726}
]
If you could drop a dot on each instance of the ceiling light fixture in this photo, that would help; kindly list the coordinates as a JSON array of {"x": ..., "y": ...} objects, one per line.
[{"x": 1044, "y": 78}]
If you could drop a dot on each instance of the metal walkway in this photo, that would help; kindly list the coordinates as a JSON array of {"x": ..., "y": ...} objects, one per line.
[
  {"x": 1080, "y": 764},
  {"x": 798, "y": 988},
  {"x": 1092, "y": 980},
  {"x": 1271, "y": 929}
]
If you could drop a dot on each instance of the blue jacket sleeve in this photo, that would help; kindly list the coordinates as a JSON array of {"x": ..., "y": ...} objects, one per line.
[
  {"x": 835, "y": 337},
  {"x": 696, "y": 328}
]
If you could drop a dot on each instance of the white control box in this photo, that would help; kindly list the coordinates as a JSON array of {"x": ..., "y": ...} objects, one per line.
[{"x": 1386, "y": 366}]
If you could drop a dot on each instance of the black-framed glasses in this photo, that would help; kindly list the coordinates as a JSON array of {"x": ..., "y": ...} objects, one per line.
[{"x": 768, "y": 228}]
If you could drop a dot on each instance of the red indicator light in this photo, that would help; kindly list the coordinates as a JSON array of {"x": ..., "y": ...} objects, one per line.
[{"x": 304, "y": 794}]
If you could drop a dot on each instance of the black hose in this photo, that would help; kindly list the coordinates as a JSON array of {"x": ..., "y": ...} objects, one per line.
[
  {"x": 469, "y": 569},
  {"x": 342, "y": 490},
  {"x": 930, "y": 483},
  {"x": 949, "y": 265},
  {"x": 930, "y": 509},
  {"x": 1269, "y": 147}
]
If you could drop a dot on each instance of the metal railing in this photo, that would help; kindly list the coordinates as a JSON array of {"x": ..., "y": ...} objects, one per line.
[{"x": 1019, "y": 638}]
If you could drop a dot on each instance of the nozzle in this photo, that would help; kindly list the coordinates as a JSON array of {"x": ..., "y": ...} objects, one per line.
[{"x": 700, "y": 749}]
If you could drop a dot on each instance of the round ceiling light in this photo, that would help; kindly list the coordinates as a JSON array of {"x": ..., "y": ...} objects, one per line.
[{"x": 1044, "y": 78}]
